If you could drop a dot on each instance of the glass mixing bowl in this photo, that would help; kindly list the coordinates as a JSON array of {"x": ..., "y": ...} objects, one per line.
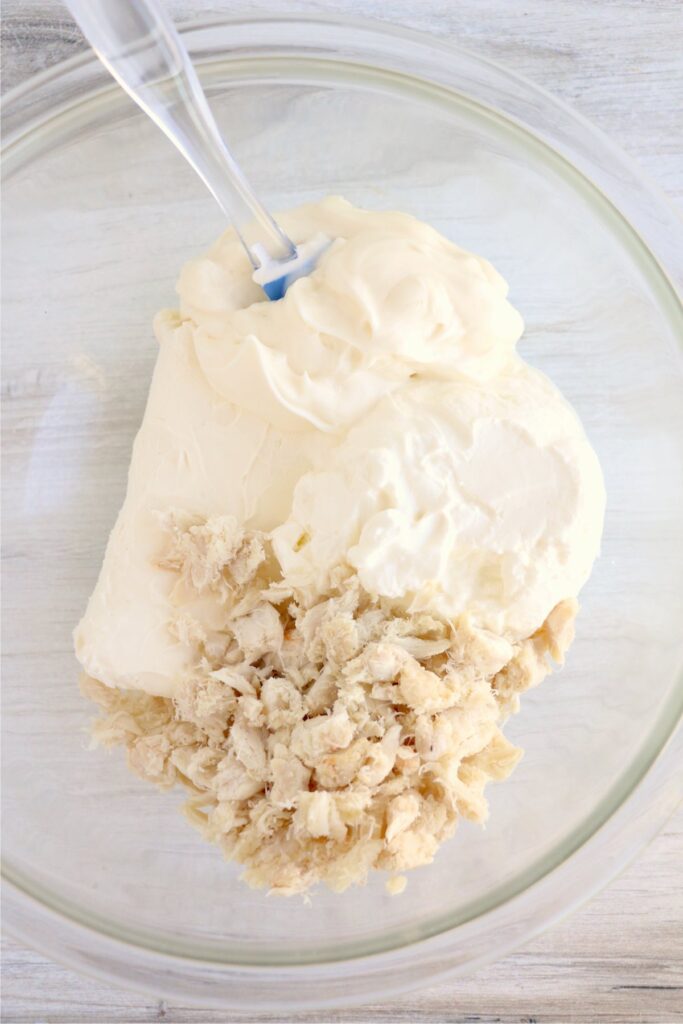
[{"x": 100, "y": 212}]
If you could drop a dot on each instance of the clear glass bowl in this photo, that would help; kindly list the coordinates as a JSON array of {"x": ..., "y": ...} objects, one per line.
[{"x": 100, "y": 212}]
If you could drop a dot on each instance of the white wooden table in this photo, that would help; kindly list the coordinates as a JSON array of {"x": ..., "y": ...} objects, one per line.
[{"x": 620, "y": 959}]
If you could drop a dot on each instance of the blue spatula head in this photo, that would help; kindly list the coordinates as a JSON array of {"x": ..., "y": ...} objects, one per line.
[{"x": 275, "y": 276}]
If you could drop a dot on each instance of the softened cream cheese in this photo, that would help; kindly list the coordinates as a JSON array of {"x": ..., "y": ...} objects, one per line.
[{"x": 377, "y": 415}]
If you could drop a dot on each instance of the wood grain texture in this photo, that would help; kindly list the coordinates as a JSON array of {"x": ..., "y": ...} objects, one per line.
[
  {"x": 620, "y": 959},
  {"x": 619, "y": 62}
]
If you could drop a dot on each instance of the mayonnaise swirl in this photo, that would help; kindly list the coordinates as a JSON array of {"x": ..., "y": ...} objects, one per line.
[{"x": 390, "y": 299}]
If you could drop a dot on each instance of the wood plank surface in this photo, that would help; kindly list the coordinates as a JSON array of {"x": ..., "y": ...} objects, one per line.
[{"x": 619, "y": 959}]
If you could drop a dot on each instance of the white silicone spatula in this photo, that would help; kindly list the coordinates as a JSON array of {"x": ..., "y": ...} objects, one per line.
[{"x": 138, "y": 43}]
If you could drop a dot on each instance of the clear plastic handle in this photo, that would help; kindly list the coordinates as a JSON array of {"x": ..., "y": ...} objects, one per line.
[{"x": 138, "y": 43}]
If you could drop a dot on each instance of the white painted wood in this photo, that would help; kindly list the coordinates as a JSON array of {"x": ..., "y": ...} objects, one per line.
[{"x": 620, "y": 959}]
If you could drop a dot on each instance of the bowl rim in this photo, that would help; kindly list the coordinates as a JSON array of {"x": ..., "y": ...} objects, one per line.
[{"x": 47, "y": 926}]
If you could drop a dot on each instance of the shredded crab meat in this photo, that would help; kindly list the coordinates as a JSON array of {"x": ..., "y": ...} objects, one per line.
[{"x": 323, "y": 735}]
